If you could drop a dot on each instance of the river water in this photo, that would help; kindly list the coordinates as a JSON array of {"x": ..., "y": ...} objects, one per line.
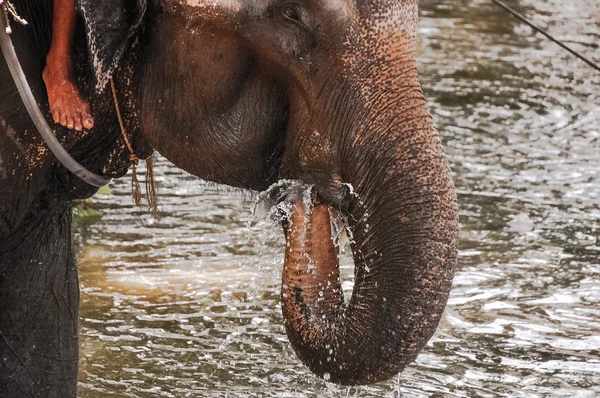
[{"x": 189, "y": 306}]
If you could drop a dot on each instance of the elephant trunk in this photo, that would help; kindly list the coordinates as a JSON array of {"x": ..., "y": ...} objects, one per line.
[{"x": 405, "y": 227}]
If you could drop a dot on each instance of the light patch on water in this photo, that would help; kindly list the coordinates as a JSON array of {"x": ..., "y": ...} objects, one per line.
[{"x": 521, "y": 223}]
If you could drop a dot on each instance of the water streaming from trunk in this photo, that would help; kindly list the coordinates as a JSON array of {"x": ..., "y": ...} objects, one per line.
[{"x": 277, "y": 204}]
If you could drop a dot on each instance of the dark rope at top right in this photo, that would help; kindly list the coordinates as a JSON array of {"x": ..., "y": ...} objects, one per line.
[{"x": 545, "y": 33}]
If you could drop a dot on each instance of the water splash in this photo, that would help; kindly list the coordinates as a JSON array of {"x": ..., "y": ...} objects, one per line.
[{"x": 277, "y": 202}]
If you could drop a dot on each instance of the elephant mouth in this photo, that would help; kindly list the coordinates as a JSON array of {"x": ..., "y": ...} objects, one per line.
[
  {"x": 279, "y": 200},
  {"x": 283, "y": 201},
  {"x": 301, "y": 208}
]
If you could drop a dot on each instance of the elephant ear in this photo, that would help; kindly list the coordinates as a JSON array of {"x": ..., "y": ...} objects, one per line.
[{"x": 110, "y": 26}]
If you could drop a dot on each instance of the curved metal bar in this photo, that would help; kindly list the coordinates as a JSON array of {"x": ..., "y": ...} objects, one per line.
[{"x": 36, "y": 114}]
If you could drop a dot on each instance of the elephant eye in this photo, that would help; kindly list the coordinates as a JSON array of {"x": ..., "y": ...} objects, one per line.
[{"x": 292, "y": 12}]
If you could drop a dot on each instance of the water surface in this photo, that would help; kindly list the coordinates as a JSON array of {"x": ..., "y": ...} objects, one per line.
[{"x": 189, "y": 306}]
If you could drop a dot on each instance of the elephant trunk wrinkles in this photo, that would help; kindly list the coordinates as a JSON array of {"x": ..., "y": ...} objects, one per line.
[{"x": 405, "y": 227}]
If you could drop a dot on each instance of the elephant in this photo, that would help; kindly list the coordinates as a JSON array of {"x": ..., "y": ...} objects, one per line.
[{"x": 245, "y": 93}]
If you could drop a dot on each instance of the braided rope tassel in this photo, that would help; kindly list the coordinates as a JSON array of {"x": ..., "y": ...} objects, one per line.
[
  {"x": 151, "y": 188},
  {"x": 136, "y": 190}
]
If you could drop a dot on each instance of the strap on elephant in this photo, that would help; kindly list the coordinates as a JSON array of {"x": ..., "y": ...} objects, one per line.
[{"x": 31, "y": 105}]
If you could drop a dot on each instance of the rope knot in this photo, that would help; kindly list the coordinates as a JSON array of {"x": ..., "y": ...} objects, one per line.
[{"x": 134, "y": 159}]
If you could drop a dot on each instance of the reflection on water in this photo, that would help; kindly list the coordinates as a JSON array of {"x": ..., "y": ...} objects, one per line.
[{"x": 189, "y": 306}]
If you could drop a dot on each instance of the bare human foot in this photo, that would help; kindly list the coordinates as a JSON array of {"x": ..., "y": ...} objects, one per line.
[{"x": 66, "y": 105}]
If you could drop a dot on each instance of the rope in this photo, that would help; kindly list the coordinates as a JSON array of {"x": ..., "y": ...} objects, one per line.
[
  {"x": 133, "y": 157},
  {"x": 545, "y": 33},
  {"x": 136, "y": 190}
]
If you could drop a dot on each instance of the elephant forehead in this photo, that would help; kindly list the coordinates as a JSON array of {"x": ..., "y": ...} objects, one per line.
[
  {"x": 343, "y": 7},
  {"x": 384, "y": 16},
  {"x": 232, "y": 5},
  {"x": 379, "y": 15}
]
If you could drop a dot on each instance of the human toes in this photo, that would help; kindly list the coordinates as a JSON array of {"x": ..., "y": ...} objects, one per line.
[
  {"x": 70, "y": 123},
  {"x": 88, "y": 120},
  {"x": 55, "y": 115},
  {"x": 77, "y": 120},
  {"x": 63, "y": 119}
]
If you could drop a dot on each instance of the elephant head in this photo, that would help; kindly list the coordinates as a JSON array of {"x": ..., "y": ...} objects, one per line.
[{"x": 247, "y": 92}]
